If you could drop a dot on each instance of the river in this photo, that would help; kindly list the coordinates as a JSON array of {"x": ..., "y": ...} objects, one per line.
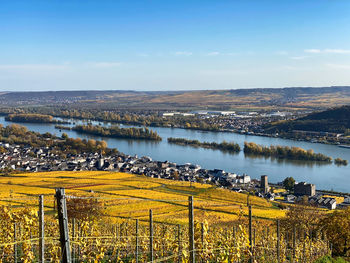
[{"x": 325, "y": 176}]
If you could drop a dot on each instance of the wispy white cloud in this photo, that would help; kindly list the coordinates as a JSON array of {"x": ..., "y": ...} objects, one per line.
[
  {"x": 328, "y": 50},
  {"x": 33, "y": 66},
  {"x": 183, "y": 53},
  {"x": 214, "y": 53},
  {"x": 143, "y": 55},
  {"x": 282, "y": 53},
  {"x": 103, "y": 64},
  {"x": 298, "y": 57},
  {"x": 55, "y": 67},
  {"x": 250, "y": 53},
  {"x": 337, "y": 51},
  {"x": 338, "y": 66},
  {"x": 313, "y": 51},
  {"x": 225, "y": 72},
  {"x": 292, "y": 68}
]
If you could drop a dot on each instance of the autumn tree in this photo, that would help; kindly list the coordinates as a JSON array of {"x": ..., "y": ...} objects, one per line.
[
  {"x": 84, "y": 208},
  {"x": 64, "y": 136},
  {"x": 304, "y": 218},
  {"x": 337, "y": 228},
  {"x": 289, "y": 183}
]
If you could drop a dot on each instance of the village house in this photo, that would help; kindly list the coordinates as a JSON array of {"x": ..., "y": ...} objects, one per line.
[{"x": 325, "y": 202}]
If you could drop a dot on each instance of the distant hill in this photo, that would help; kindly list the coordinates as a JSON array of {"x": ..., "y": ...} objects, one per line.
[
  {"x": 235, "y": 99},
  {"x": 333, "y": 120}
]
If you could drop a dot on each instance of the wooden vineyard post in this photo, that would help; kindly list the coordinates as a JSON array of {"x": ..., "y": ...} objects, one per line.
[
  {"x": 294, "y": 244},
  {"x": 121, "y": 232},
  {"x": 73, "y": 239},
  {"x": 80, "y": 234},
  {"x": 31, "y": 237},
  {"x": 179, "y": 242},
  {"x": 278, "y": 241},
  {"x": 202, "y": 239},
  {"x": 191, "y": 229},
  {"x": 163, "y": 240},
  {"x": 150, "y": 235},
  {"x": 63, "y": 225},
  {"x": 234, "y": 234},
  {"x": 310, "y": 244},
  {"x": 267, "y": 240},
  {"x": 304, "y": 247},
  {"x": 251, "y": 260},
  {"x": 254, "y": 237},
  {"x": 126, "y": 231},
  {"x": 41, "y": 230},
  {"x": 137, "y": 241},
  {"x": 15, "y": 242}
]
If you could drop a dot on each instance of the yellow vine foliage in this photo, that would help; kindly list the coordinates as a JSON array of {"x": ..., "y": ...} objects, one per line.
[
  {"x": 221, "y": 229},
  {"x": 102, "y": 240}
]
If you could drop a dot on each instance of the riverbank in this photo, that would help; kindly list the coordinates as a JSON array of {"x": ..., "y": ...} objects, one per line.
[
  {"x": 325, "y": 176},
  {"x": 197, "y": 125}
]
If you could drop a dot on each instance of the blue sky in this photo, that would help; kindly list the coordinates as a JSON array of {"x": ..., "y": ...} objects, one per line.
[{"x": 173, "y": 44}]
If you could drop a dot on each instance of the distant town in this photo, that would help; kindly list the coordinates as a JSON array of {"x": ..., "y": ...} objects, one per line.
[
  {"x": 258, "y": 123},
  {"x": 14, "y": 158},
  {"x": 253, "y": 122}
]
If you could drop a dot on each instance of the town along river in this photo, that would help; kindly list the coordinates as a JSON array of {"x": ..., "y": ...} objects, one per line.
[{"x": 325, "y": 176}]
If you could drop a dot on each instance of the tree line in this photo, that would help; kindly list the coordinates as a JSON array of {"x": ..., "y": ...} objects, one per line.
[
  {"x": 32, "y": 117},
  {"x": 117, "y": 132},
  {"x": 340, "y": 161},
  {"x": 224, "y": 146},
  {"x": 17, "y": 134},
  {"x": 294, "y": 153},
  {"x": 122, "y": 117}
]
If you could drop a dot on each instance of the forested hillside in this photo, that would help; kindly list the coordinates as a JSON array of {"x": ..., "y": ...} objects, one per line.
[{"x": 333, "y": 120}]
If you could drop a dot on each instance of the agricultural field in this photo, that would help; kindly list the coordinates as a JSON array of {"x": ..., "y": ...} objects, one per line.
[
  {"x": 294, "y": 98},
  {"x": 131, "y": 196},
  {"x": 121, "y": 230}
]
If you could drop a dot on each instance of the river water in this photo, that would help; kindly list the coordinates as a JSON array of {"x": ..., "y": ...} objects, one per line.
[{"x": 325, "y": 176}]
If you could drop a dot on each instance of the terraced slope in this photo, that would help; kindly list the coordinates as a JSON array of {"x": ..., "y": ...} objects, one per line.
[{"x": 126, "y": 195}]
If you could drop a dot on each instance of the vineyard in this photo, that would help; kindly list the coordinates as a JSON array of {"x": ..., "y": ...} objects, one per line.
[
  {"x": 156, "y": 226},
  {"x": 127, "y": 195}
]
